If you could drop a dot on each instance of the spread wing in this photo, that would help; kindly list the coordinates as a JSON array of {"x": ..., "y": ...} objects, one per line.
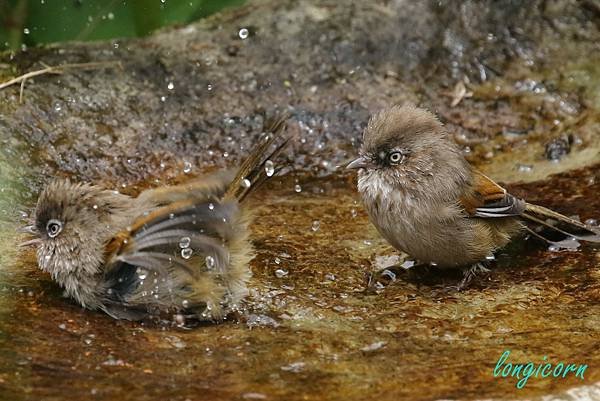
[
  {"x": 487, "y": 199},
  {"x": 175, "y": 253},
  {"x": 211, "y": 186}
]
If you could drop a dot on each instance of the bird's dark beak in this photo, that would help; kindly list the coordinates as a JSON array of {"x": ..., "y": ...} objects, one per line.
[
  {"x": 361, "y": 162},
  {"x": 28, "y": 229},
  {"x": 32, "y": 231},
  {"x": 31, "y": 242}
]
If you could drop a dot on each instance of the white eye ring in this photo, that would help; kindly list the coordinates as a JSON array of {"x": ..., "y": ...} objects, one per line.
[
  {"x": 395, "y": 157},
  {"x": 53, "y": 228}
]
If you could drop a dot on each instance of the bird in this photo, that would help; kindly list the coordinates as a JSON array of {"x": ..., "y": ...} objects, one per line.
[
  {"x": 429, "y": 202},
  {"x": 181, "y": 251}
]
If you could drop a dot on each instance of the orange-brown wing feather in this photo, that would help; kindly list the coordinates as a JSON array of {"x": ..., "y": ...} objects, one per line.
[
  {"x": 485, "y": 198},
  {"x": 482, "y": 191},
  {"x": 125, "y": 240}
]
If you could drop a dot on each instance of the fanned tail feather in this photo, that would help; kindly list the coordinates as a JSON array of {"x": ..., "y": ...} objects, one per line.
[
  {"x": 252, "y": 172},
  {"x": 560, "y": 227}
]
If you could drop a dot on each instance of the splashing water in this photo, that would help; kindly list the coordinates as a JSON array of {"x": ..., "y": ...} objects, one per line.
[
  {"x": 185, "y": 242},
  {"x": 269, "y": 168},
  {"x": 280, "y": 273},
  {"x": 243, "y": 33},
  {"x": 210, "y": 262},
  {"x": 186, "y": 253}
]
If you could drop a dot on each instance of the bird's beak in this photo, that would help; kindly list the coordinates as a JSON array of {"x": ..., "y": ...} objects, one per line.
[
  {"x": 31, "y": 242},
  {"x": 30, "y": 229},
  {"x": 361, "y": 162}
]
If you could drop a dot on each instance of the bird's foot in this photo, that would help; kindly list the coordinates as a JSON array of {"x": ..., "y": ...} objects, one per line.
[
  {"x": 469, "y": 274},
  {"x": 378, "y": 280}
]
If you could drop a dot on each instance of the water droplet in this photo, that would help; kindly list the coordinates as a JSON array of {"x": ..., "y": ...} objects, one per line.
[
  {"x": 354, "y": 213},
  {"x": 211, "y": 206},
  {"x": 297, "y": 188},
  {"x": 142, "y": 274},
  {"x": 185, "y": 303},
  {"x": 554, "y": 248},
  {"x": 316, "y": 225},
  {"x": 294, "y": 367},
  {"x": 243, "y": 33},
  {"x": 254, "y": 396},
  {"x": 62, "y": 326},
  {"x": 524, "y": 168},
  {"x": 187, "y": 167},
  {"x": 186, "y": 253},
  {"x": 179, "y": 319},
  {"x": 111, "y": 16},
  {"x": 330, "y": 277},
  {"x": 246, "y": 183},
  {"x": 279, "y": 273},
  {"x": 277, "y": 261},
  {"x": 210, "y": 262},
  {"x": 163, "y": 98},
  {"x": 209, "y": 87},
  {"x": 490, "y": 257},
  {"x": 26, "y": 31},
  {"x": 269, "y": 168},
  {"x": 170, "y": 86},
  {"x": 185, "y": 242},
  {"x": 95, "y": 207},
  {"x": 591, "y": 222},
  {"x": 57, "y": 107},
  {"x": 374, "y": 347}
]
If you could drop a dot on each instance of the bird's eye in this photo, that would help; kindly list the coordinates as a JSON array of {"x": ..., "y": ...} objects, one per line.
[
  {"x": 53, "y": 228},
  {"x": 395, "y": 157}
]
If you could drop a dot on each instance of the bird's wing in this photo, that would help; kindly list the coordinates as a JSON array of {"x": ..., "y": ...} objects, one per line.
[
  {"x": 485, "y": 198},
  {"x": 209, "y": 186},
  {"x": 171, "y": 250}
]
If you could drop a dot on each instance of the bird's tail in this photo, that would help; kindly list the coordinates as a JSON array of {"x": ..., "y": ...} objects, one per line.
[
  {"x": 258, "y": 166},
  {"x": 557, "y": 228}
]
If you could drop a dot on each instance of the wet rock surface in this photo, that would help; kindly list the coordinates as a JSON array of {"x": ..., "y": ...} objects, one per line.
[{"x": 506, "y": 77}]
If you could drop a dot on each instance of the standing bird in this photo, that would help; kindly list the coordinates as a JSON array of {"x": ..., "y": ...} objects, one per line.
[
  {"x": 179, "y": 250},
  {"x": 426, "y": 200}
]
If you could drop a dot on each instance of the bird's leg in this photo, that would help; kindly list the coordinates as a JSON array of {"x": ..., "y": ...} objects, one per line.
[
  {"x": 380, "y": 279},
  {"x": 377, "y": 281},
  {"x": 470, "y": 273}
]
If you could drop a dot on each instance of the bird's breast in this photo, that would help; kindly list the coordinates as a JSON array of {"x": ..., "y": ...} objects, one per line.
[{"x": 424, "y": 228}]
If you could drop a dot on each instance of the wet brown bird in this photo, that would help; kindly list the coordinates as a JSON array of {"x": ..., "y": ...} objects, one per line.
[
  {"x": 172, "y": 250},
  {"x": 427, "y": 201}
]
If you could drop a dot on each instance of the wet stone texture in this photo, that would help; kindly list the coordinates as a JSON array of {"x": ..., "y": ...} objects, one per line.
[{"x": 518, "y": 82}]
